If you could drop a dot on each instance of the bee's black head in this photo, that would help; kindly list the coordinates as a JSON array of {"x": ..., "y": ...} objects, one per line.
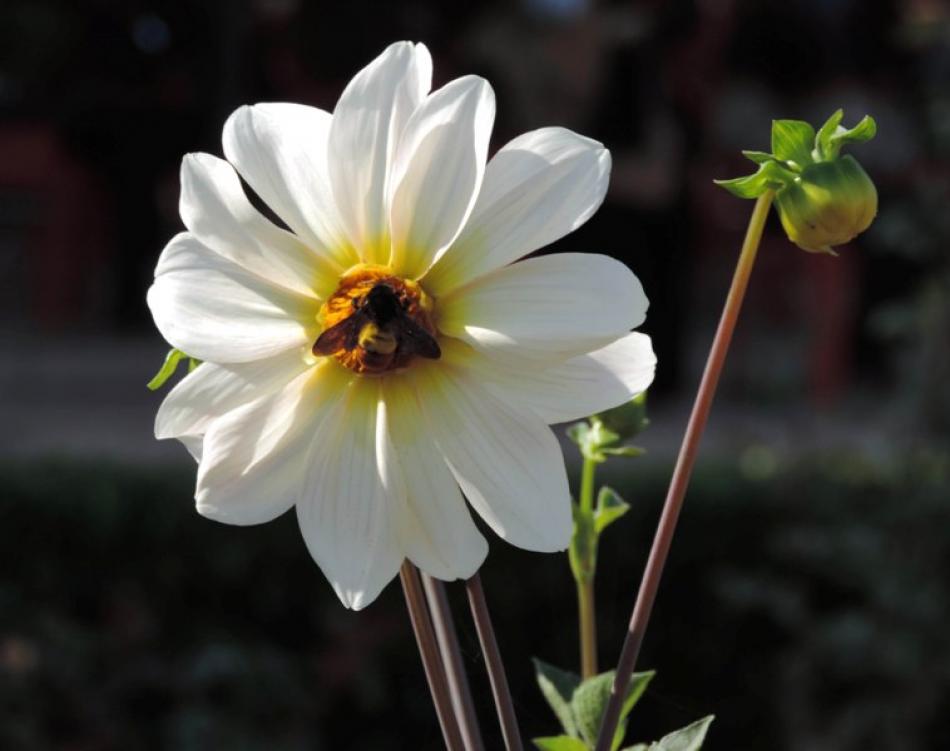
[{"x": 382, "y": 304}]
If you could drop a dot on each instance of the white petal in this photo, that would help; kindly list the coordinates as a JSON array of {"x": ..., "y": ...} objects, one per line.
[
  {"x": 216, "y": 211},
  {"x": 438, "y": 170},
  {"x": 508, "y": 462},
  {"x": 212, "y": 390},
  {"x": 344, "y": 508},
  {"x": 431, "y": 520},
  {"x": 559, "y": 305},
  {"x": 254, "y": 461},
  {"x": 212, "y": 309},
  {"x": 537, "y": 188},
  {"x": 367, "y": 124},
  {"x": 281, "y": 150},
  {"x": 194, "y": 444},
  {"x": 581, "y": 386}
]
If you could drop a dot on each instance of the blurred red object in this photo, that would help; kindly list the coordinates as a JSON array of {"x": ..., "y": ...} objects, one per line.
[{"x": 59, "y": 217}]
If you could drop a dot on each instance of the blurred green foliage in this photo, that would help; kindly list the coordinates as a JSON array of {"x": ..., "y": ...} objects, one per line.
[
  {"x": 806, "y": 606},
  {"x": 914, "y": 233}
]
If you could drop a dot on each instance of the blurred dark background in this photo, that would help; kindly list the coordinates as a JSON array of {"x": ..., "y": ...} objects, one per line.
[{"x": 806, "y": 603}]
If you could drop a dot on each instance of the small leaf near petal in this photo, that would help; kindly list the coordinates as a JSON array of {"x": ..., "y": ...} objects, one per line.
[
  {"x": 759, "y": 157},
  {"x": 592, "y": 438},
  {"x": 610, "y": 507},
  {"x": 629, "y": 419},
  {"x": 167, "y": 370},
  {"x": 578, "y": 433},
  {"x": 558, "y": 687},
  {"x": 629, "y": 451},
  {"x": 792, "y": 141},
  {"x": 560, "y": 743},
  {"x": 600, "y": 437}
]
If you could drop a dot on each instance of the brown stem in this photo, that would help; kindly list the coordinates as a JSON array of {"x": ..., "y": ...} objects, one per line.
[
  {"x": 429, "y": 651},
  {"x": 496, "y": 668},
  {"x": 459, "y": 689},
  {"x": 684, "y": 466}
]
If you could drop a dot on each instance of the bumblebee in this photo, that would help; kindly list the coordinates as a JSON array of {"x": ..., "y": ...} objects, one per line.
[{"x": 380, "y": 332}]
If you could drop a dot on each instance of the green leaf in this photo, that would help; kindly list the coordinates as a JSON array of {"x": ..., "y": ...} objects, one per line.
[
  {"x": 638, "y": 747},
  {"x": 792, "y": 141},
  {"x": 759, "y": 157},
  {"x": 592, "y": 438},
  {"x": 689, "y": 738},
  {"x": 751, "y": 186},
  {"x": 578, "y": 432},
  {"x": 771, "y": 175},
  {"x": 558, "y": 688},
  {"x": 599, "y": 435},
  {"x": 560, "y": 743},
  {"x": 825, "y": 132},
  {"x": 627, "y": 420},
  {"x": 167, "y": 370},
  {"x": 638, "y": 684},
  {"x": 631, "y": 451},
  {"x": 610, "y": 507},
  {"x": 589, "y": 702},
  {"x": 832, "y": 136},
  {"x": 865, "y": 130}
]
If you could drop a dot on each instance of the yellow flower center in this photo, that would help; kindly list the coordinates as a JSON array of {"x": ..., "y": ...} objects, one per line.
[{"x": 377, "y": 322}]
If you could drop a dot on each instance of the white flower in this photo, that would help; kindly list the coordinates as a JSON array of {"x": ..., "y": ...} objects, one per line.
[{"x": 376, "y": 437}]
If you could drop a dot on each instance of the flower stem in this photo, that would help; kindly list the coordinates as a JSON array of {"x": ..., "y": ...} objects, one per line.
[
  {"x": 429, "y": 651},
  {"x": 587, "y": 620},
  {"x": 457, "y": 680},
  {"x": 493, "y": 661},
  {"x": 584, "y": 572},
  {"x": 684, "y": 466},
  {"x": 587, "y": 485}
]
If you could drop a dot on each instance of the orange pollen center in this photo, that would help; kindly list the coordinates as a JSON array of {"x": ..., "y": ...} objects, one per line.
[{"x": 377, "y": 322}]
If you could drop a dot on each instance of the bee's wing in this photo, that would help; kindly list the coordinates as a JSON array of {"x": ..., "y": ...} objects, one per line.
[
  {"x": 344, "y": 335},
  {"x": 417, "y": 340}
]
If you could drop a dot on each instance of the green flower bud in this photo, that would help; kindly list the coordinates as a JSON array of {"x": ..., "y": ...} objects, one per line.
[
  {"x": 628, "y": 419},
  {"x": 602, "y": 435},
  {"x": 829, "y": 204},
  {"x": 823, "y": 199}
]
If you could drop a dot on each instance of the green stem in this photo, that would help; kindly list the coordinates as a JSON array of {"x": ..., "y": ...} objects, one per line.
[
  {"x": 587, "y": 619},
  {"x": 587, "y": 486},
  {"x": 584, "y": 571},
  {"x": 684, "y": 467}
]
